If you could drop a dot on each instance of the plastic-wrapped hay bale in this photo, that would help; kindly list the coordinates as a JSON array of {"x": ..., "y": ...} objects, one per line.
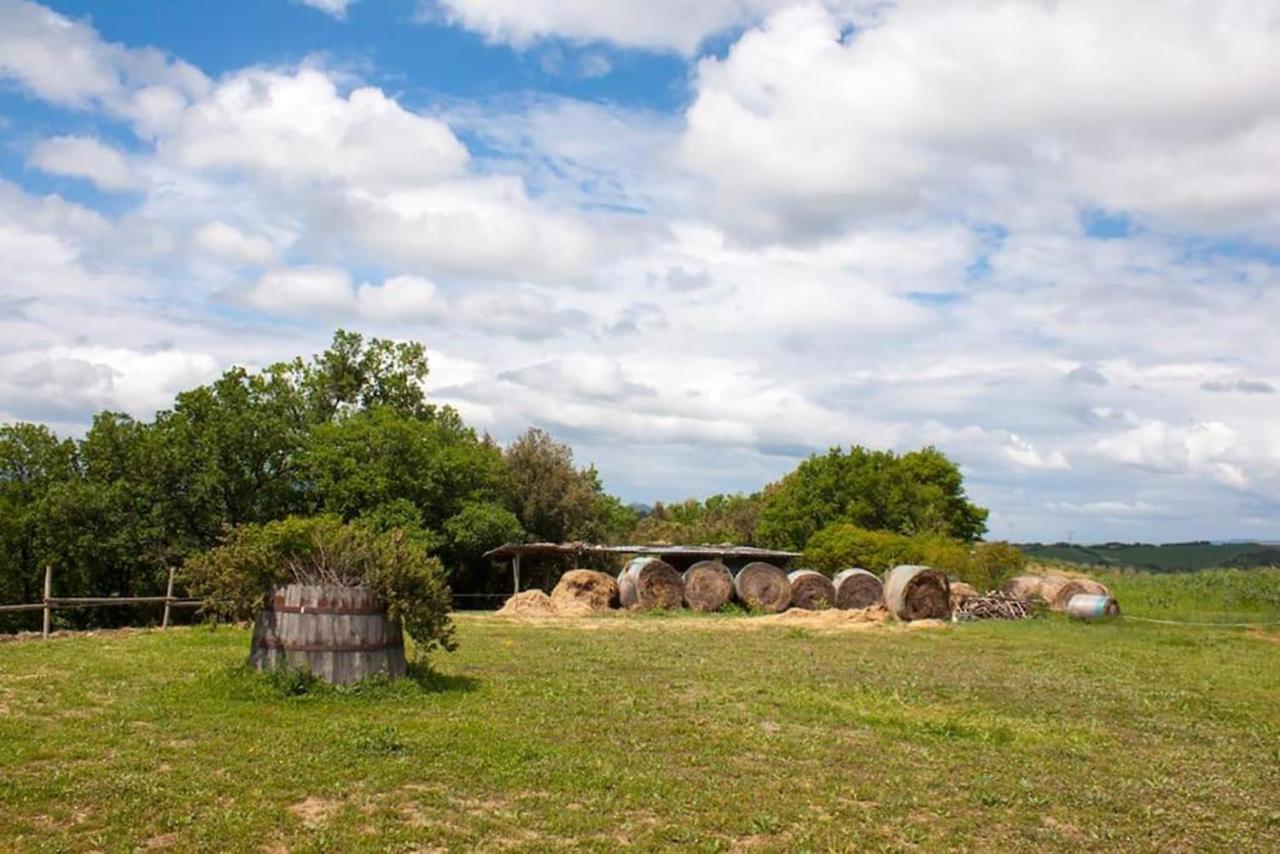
[
  {"x": 763, "y": 587},
  {"x": 1057, "y": 591},
  {"x": 652, "y": 583},
  {"x": 708, "y": 584},
  {"x": 585, "y": 591},
  {"x": 917, "y": 593},
  {"x": 857, "y": 588},
  {"x": 811, "y": 590},
  {"x": 1024, "y": 587},
  {"x": 1092, "y": 606}
]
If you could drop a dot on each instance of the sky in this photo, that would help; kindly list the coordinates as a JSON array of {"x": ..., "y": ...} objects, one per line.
[{"x": 699, "y": 242}]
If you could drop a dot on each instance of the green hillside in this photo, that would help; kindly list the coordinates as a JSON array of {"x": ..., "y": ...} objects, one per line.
[{"x": 1159, "y": 558}]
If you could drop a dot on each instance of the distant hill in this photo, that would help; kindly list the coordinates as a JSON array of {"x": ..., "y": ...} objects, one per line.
[{"x": 1160, "y": 558}]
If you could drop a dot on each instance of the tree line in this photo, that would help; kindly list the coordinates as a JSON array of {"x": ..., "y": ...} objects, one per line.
[{"x": 350, "y": 432}]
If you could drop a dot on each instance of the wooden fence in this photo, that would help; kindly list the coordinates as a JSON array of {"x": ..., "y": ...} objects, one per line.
[{"x": 52, "y": 603}]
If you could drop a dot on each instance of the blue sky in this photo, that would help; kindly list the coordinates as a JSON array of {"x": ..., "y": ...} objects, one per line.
[{"x": 698, "y": 241}]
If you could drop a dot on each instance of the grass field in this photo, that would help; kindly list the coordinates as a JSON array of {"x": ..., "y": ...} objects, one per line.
[
  {"x": 720, "y": 732},
  {"x": 1210, "y": 595},
  {"x": 1167, "y": 557}
]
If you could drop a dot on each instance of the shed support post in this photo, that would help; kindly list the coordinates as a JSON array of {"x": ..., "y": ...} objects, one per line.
[
  {"x": 48, "y": 594},
  {"x": 168, "y": 600},
  {"x": 515, "y": 572}
]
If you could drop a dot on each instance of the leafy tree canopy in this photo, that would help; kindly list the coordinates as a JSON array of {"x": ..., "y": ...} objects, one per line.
[{"x": 920, "y": 492}]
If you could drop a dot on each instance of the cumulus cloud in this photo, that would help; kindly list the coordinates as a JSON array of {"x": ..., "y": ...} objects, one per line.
[
  {"x": 228, "y": 243},
  {"x": 64, "y": 61},
  {"x": 1166, "y": 110},
  {"x": 84, "y": 157},
  {"x": 668, "y": 25}
]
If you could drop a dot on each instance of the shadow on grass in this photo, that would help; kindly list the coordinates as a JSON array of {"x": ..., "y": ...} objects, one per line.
[{"x": 299, "y": 684}]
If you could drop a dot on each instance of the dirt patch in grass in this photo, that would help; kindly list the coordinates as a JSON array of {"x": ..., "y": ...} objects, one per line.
[{"x": 315, "y": 812}]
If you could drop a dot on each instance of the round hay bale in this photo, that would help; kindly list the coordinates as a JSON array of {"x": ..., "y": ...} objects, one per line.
[
  {"x": 585, "y": 590},
  {"x": 857, "y": 588},
  {"x": 1094, "y": 588},
  {"x": 811, "y": 590},
  {"x": 763, "y": 587},
  {"x": 530, "y": 603},
  {"x": 1024, "y": 587},
  {"x": 961, "y": 592},
  {"x": 917, "y": 593},
  {"x": 1057, "y": 591},
  {"x": 708, "y": 584},
  {"x": 656, "y": 584}
]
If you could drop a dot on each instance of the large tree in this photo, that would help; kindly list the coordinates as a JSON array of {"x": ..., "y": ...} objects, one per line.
[
  {"x": 556, "y": 501},
  {"x": 921, "y": 492}
]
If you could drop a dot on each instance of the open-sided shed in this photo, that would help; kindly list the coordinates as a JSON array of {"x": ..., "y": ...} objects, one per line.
[{"x": 680, "y": 557}]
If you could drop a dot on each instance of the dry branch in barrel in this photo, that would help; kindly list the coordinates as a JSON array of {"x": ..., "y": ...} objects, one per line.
[
  {"x": 763, "y": 587},
  {"x": 708, "y": 584},
  {"x": 655, "y": 584},
  {"x": 811, "y": 590},
  {"x": 857, "y": 588},
  {"x": 917, "y": 593},
  {"x": 584, "y": 591}
]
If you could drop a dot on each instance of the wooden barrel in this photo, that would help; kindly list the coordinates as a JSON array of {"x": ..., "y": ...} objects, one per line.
[
  {"x": 1092, "y": 606},
  {"x": 762, "y": 587},
  {"x": 857, "y": 588},
  {"x": 708, "y": 585},
  {"x": 917, "y": 593},
  {"x": 340, "y": 634},
  {"x": 656, "y": 584},
  {"x": 811, "y": 590}
]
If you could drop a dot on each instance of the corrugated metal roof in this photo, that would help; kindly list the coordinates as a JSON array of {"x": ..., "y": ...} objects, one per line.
[{"x": 710, "y": 550}]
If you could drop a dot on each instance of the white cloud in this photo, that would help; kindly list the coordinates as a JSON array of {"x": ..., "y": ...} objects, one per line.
[
  {"x": 226, "y": 242},
  {"x": 303, "y": 291},
  {"x": 64, "y": 61},
  {"x": 400, "y": 299},
  {"x": 336, "y": 8},
  {"x": 1204, "y": 448},
  {"x": 1166, "y": 109},
  {"x": 84, "y": 157},
  {"x": 675, "y": 25},
  {"x": 299, "y": 126},
  {"x": 1109, "y": 508}
]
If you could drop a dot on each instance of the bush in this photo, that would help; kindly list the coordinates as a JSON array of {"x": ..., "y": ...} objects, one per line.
[
  {"x": 235, "y": 578},
  {"x": 843, "y": 545}
]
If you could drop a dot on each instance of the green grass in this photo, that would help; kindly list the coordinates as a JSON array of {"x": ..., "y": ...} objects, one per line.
[
  {"x": 716, "y": 732},
  {"x": 1211, "y": 595}
]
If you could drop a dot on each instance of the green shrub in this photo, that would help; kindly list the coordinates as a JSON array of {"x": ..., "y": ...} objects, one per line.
[
  {"x": 235, "y": 578},
  {"x": 985, "y": 565}
]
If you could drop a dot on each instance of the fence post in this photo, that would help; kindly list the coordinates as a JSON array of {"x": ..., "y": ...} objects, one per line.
[
  {"x": 48, "y": 593},
  {"x": 168, "y": 600}
]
